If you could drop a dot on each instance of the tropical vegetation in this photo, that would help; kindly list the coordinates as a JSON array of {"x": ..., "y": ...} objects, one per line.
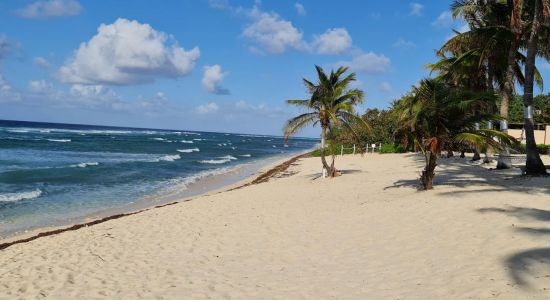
[
  {"x": 467, "y": 104},
  {"x": 331, "y": 105}
]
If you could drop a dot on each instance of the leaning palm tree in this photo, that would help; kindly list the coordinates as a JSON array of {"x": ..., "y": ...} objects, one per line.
[
  {"x": 331, "y": 103},
  {"x": 436, "y": 115}
]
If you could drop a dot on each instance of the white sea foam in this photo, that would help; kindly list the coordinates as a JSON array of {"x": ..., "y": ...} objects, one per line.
[
  {"x": 186, "y": 142},
  {"x": 246, "y": 155},
  {"x": 60, "y": 140},
  {"x": 18, "y": 130},
  {"x": 11, "y": 197},
  {"x": 170, "y": 157},
  {"x": 214, "y": 161},
  {"x": 219, "y": 160},
  {"x": 198, "y": 140},
  {"x": 188, "y": 150},
  {"x": 185, "y": 133},
  {"x": 85, "y": 164},
  {"x": 159, "y": 139}
]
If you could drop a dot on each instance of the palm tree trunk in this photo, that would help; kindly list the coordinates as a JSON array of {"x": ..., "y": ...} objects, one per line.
[
  {"x": 504, "y": 161},
  {"x": 428, "y": 174},
  {"x": 533, "y": 165},
  {"x": 476, "y": 156},
  {"x": 323, "y": 142}
]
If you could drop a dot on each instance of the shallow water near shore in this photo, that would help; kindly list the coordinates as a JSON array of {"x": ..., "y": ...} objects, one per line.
[{"x": 54, "y": 174}]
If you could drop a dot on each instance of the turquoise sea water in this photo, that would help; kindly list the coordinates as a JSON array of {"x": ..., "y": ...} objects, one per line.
[{"x": 51, "y": 173}]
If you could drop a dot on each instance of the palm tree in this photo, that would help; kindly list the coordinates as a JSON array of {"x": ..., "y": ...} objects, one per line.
[
  {"x": 539, "y": 19},
  {"x": 499, "y": 35},
  {"x": 331, "y": 103},
  {"x": 436, "y": 115}
]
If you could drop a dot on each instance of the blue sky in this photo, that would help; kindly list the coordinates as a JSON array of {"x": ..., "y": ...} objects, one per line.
[{"x": 205, "y": 65}]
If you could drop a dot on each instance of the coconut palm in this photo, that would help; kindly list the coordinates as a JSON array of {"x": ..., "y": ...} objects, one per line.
[
  {"x": 538, "y": 12},
  {"x": 498, "y": 34},
  {"x": 436, "y": 115},
  {"x": 331, "y": 103}
]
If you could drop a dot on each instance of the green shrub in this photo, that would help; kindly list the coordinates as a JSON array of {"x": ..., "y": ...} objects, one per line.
[
  {"x": 391, "y": 148},
  {"x": 543, "y": 149}
]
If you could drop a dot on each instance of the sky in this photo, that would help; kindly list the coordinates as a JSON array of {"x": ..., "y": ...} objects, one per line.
[{"x": 209, "y": 65}]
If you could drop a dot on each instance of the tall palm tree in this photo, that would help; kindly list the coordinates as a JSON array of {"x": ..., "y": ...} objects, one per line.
[
  {"x": 436, "y": 114},
  {"x": 331, "y": 103},
  {"x": 539, "y": 21}
]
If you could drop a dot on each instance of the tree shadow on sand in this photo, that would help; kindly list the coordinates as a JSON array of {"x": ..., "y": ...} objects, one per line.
[
  {"x": 533, "y": 264},
  {"x": 462, "y": 173}
]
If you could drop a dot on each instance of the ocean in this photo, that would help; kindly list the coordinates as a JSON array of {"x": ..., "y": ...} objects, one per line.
[{"x": 58, "y": 174}]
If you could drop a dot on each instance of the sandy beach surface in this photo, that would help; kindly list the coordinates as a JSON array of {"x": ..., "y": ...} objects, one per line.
[{"x": 368, "y": 234}]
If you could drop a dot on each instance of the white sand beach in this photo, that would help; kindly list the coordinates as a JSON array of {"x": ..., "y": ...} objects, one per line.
[{"x": 368, "y": 234}]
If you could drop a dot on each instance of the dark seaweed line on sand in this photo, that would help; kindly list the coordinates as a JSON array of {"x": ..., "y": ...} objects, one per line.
[{"x": 264, "y": 177}]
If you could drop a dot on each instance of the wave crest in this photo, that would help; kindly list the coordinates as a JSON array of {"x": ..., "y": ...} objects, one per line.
[
  {"x": 12, "y": 197},
  {"x": 188, "y": 150}
]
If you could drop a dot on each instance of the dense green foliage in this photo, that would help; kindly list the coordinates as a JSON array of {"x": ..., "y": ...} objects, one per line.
[{"x": 541, "y": 104}]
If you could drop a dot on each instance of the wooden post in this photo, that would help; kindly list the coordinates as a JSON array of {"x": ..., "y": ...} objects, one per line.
[
  {"x": 353, "y": 149},
  {"x": 342, "y": 150}
]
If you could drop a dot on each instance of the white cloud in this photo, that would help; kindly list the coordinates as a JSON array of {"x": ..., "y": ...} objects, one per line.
[
  {"x": 40, "y": 86},
  {"x": 369, "y": 63},
  {"x": 385, "y": 87},
  {"x": 444, "y": 20},
  {"x": 127, "y": 52},
  {"x": 274, "y": 34},
  {"x": 404, "y": 44},
  {"x": 92, "y": 91},
  {"x": 333, "y": 41},
  {"x": 207, "y": 108},
  {"x": 212, "y": 78},
  {"x": 300, "y": 9},
  {"x": 416, "y": 9},
  {"x": 50, "y": 8},
  {"x": 41, "y": 62}
]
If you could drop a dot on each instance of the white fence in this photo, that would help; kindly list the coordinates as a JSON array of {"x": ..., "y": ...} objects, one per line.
[{"x": 369, "y": 147}]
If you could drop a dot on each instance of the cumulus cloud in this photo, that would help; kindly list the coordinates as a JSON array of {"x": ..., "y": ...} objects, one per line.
[
  {"x": 127, "y": 52},
  {"x": 300, "y": 9},
  {"x": 369, "y": 63},
  {"x": 207, "y": 108},
  {"x": 212, "y": 78},
  {"x": 404, "y": 44},
  {"x": 50, "y": 8},
  {"x": 272, "y": 33},
  {"x": 41, "y": 62},
  {"x": 416, "y": 9},
  {"x": 333, "y": 41},
  {"x": 385, "y": 87},
  {"x": 444, "y": 20}
]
